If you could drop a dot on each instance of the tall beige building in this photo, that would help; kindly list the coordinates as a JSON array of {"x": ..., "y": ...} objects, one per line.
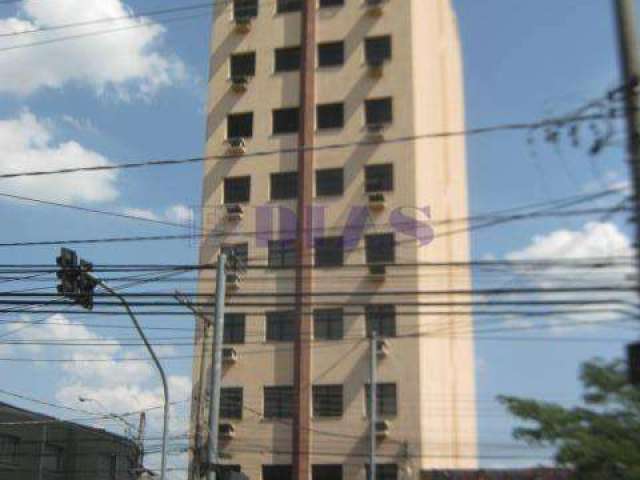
[{"x": 360, "y": 84}]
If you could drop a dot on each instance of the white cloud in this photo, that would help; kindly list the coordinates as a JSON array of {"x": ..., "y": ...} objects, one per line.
[
  {"x": 179, "y": 214},
  {"x": 127, "y": 62},
  {"x": 28, "y": 144},
  {"x": 142, "y": 213},
  {"x": 596, "y": 240}
]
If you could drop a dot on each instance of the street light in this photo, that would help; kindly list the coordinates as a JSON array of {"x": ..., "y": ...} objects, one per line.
[{"x": 130, "y": 428}]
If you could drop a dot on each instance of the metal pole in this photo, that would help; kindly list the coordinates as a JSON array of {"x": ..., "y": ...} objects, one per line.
[
  {"x": 165, "y": 387},
  {"x": 141, "y": 430},
  {"x": 42, "y": 452},
  {"x": 630, "y": 69},
  {"x": 373, "y": 396},
  {"x": 216, "y": 371}
]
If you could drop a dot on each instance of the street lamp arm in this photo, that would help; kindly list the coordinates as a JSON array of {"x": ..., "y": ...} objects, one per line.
[{"x": 165, "y": 387}]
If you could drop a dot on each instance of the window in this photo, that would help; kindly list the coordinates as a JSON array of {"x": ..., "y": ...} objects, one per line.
[
  {"x": 237, "y": 255},
  {"x": 331, "y": 3},
  {"x": 328, "y": 324},
  {"x": 378, "y": 111},
  {"x": 326, "y": 472},
  {"x": 330, "y": 54},
  {"x": 285, "y": 120},
  {"x": 240, "y": 125},
  {"x": 380, "y": 248},
  {"x": 113, "y": 467},
  {"x": 280, "y": 326},
  {"x": 378, "y": 178},
  {"x": 285, "y": 6},
  {"x": 237, "y": 189},
  {"x": 276, "y": 472},
  {"x": 329, "y": 252},
  {"x": 231, "y": 402},
  {"x": 243, "y": 64},
  {"x": 330, "y": 115},
  {"x": 226, "y": 470},
  {"x": 329, "y": 181},
  {"x": 386, "y": 399},
  {"x": 284, "y": 185},
  {"x": 53, "y": 457},
  {"x": 278, "y": 402},
  {"x": 377, "y": 49},
  {"x": 287, "y": 59},
  {"x": 327, "y": 400},
  {"x": 107, "y": 466},
  {"x": 282, "y": 253},
  {"x": 385, "y": 471},
  {"x": 8, "y": 449},
  {"x": 381, "y": 319},
  {"x": 234, "y": 327},
  {"x": 245, "y": 9}
]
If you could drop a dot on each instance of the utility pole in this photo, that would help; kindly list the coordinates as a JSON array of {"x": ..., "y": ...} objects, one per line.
[
  {"x": 630, "y": 69},
  {"x": 199, "y": 389},
  {"x": 301, "y": 438},
  {"x": 140, "y": 440},
  {"x": 373, "y": 397},
  {"x": 216, "y": 371}
]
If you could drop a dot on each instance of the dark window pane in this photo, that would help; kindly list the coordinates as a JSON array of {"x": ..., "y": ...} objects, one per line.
[
  {"x": 226, "y": 470},
  {"x": 386, "y": 399},
  {"x": 245, "y": 9},
  {"x": 330, "y": 115},
  {"x": 285, "y": 120},
  {"x": 330, "y": 54},
  {"x": 284, "y": 6},
  {"x": 380, "y": 248},
  {"x": 378, "y": 178},
  {"x": 234, "y": 328},
  {"x": 328, "y": 324},
  {"x": 287, "y": 59},
  {"x": 237, "y": 189},
  {"x": 377, "y": 49},
  {"x": 329, "y": 252},
  {"x": 231, "y": 402},
  {"x": 243, "y": 64},
  {"x": 331, "y": 3},
  {"x": 381, "y": 319},
  {"x": 378, "y": 111},
  {"x": 281, "y": 253},
  {"x": 284, "y": 185},
  {"x": 327, "y": 400},
  {"x": 280, "y": 327},
  {"x": 237, "y": 255},
  {"x": 329, "y": 181},
  {"x": 385, "y": 471},
  {"x": 278, "y": 402},
  {"x": 240, "y": 125}
]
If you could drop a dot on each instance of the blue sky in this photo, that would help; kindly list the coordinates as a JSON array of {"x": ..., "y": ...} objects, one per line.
[{"x": 140, "y": 94}]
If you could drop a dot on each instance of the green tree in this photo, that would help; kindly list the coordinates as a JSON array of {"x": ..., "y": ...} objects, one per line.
[{"x": 599, "y": 440}]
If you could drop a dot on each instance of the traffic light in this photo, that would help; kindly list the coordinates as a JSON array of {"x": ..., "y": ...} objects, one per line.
[
  {"x": 68, "y": 273},
  {"x": 633, "y": 362},
  {"x": 75, "y": 281}
]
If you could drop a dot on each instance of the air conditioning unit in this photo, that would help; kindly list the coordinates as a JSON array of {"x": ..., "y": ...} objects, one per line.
[
  {"x": 226, "y": 431},
  {"x": 243, "y": 23},
  {"x": 377, "y": 271},
  {"x": 376, "y": 65},
  {"x": 229, "y": 355},
  {"x": 234, "y": 213},
  {"x": 236, "y": 145},
  {"x": 376, "y": 130},
  {"x": 382, "y": 429},
  {"x": 382, "y": 348},
  {"x": 239, "y": 83},
  {"x": 376, "y": 201},
  {"x": 233, "y": 281},
  {"x": 374, "y": 7}
]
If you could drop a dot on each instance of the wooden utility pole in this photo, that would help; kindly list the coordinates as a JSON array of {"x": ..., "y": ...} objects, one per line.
[{"x": 301, "y": 437}]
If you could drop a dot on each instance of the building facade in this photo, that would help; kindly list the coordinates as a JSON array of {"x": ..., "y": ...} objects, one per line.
[
  {"x": 38, "y": 447},
  {"x": 387, "y": 239}
]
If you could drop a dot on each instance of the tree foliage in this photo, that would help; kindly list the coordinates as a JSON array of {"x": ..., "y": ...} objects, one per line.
[{"x": 598, "y": 440}]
